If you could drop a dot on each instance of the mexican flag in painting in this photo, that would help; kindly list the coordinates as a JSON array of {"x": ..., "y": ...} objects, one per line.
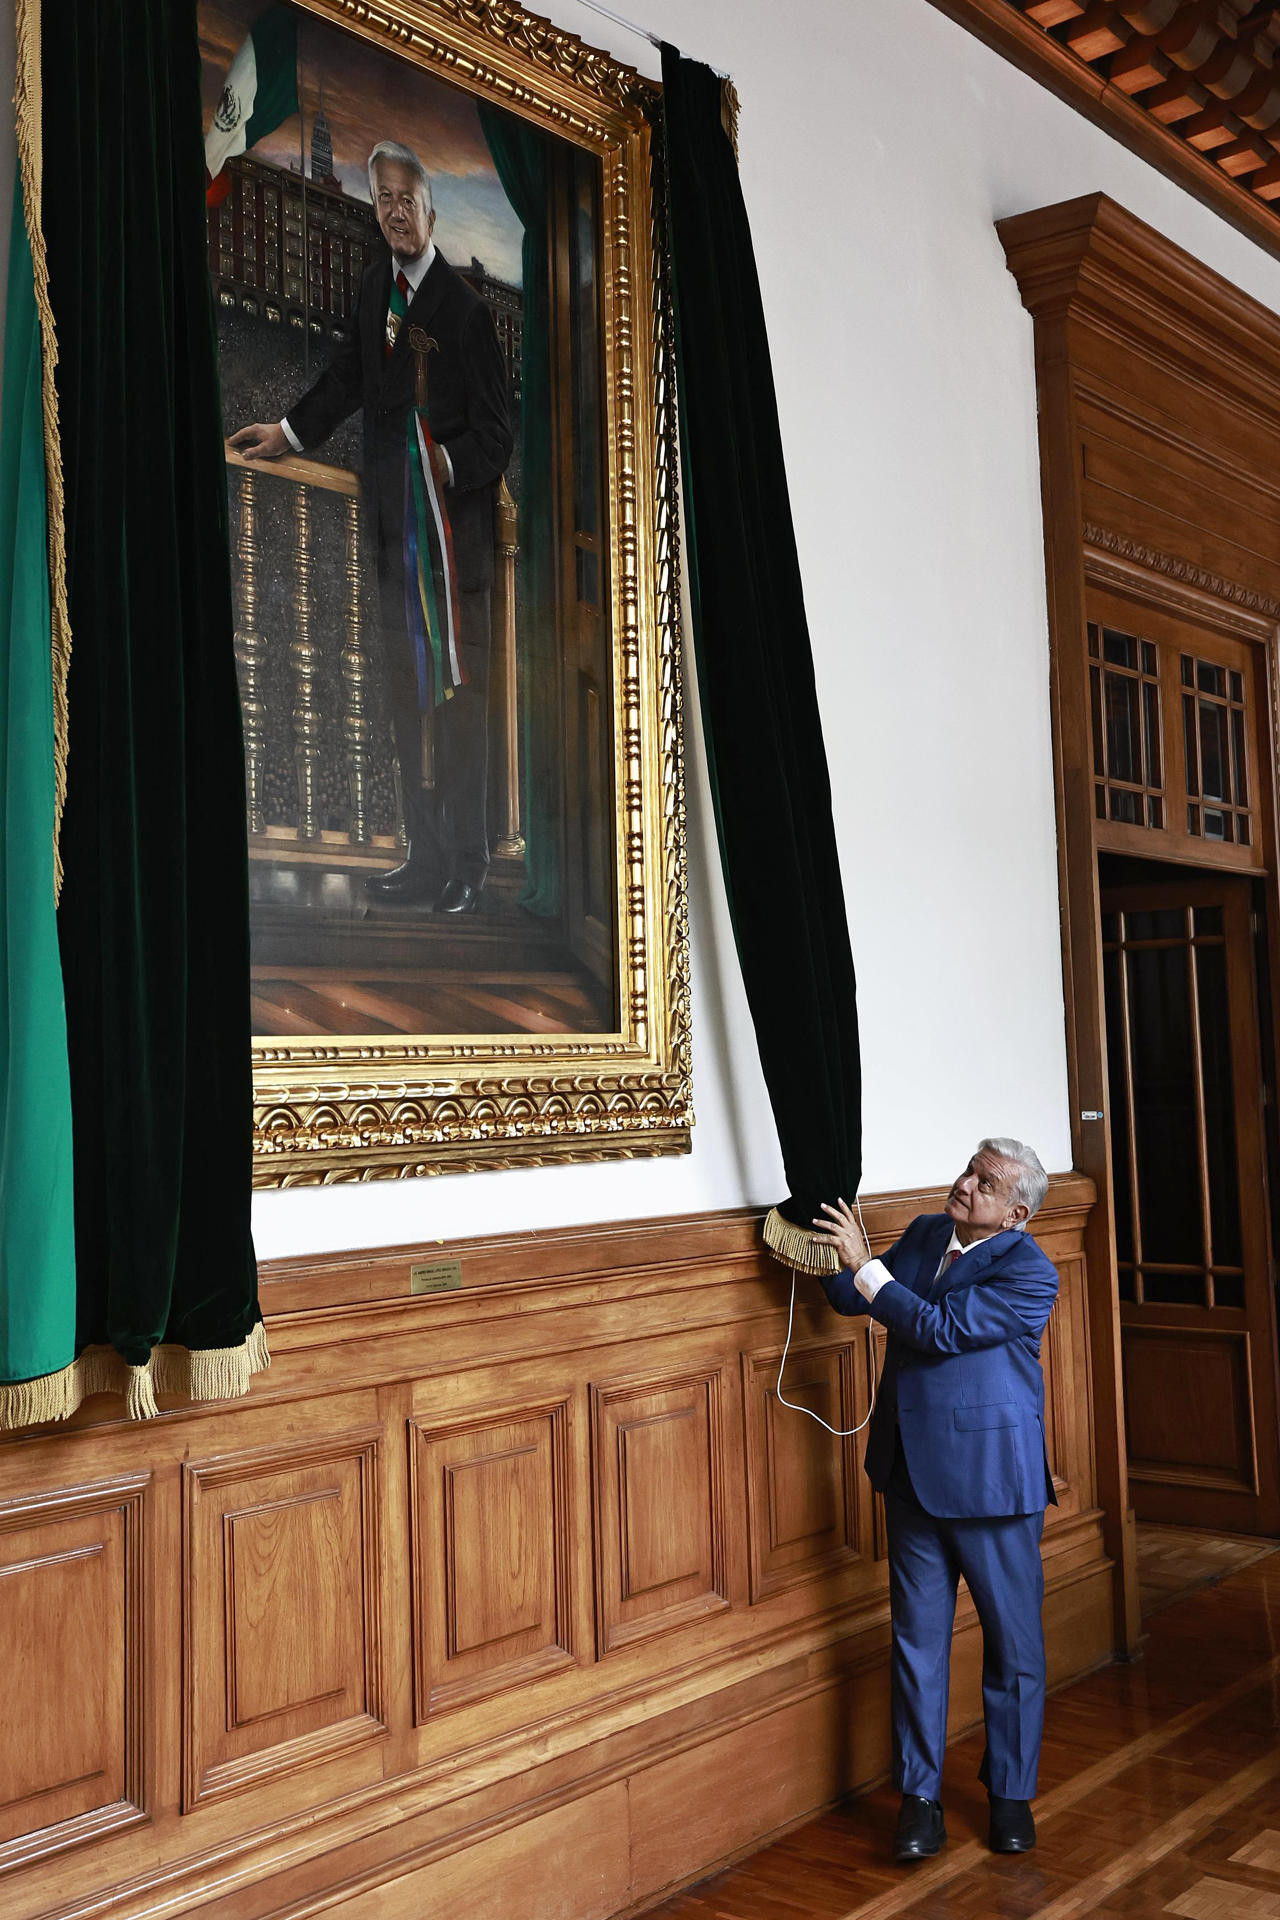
[{"x": 260, "y": 91}]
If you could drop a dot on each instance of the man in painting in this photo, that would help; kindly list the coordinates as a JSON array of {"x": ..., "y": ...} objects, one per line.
[
  {"x": 423, "y": 361},
  {"x": 957, "y": 1449}
]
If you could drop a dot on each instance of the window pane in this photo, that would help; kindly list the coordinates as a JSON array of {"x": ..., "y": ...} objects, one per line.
[
  {"x": 1239, "y": 764},
  {"x": 1093, "y": 640},
  {"x": 1217, "y": 826},
  {"x": 1119, "y": 1105},
  {"x": 1168, "y": 923},
  {"x": 1124, "y": 806},
  {"x": 1228, "y": 1289},
  {"x": 1111, "y": 926},
  {"x": 1123, "y": 761},
  {"x": 1149, "y": 657},
  {"x": 1124, "y": 1283},
  {"x": 1219, "y": 1108},
  {"x": 1242, "y": 829},
  {"x": 1173, "y": 1289},
  {"x": 1209, "y": 920},
  {"x": 1151, "y": 734},
  {"x": 1193, "y": 819},
  {"x": 1188, "y": 671},
  {"x": 1214, "y": 751},
  {"x": 1237, "y": 689},
  {"x": 1155, "y": 812},
  {"x": 1189, "y": 740},
  {"x": 1095, "y": 699},
  {"x": 1100, "y": 802},
  {"x": 1211, "y": 679},
  {"x": 1119, "y": 649},
  {"x": 1164, "y": 1118}
]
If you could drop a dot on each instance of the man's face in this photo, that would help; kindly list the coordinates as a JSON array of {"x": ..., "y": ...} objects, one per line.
[
  {"x": 400, "y": 202},
  {"x": 981, "y": 1200}
]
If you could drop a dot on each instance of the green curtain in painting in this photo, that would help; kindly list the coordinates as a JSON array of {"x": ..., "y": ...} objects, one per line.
[
  {"x": 37, "y": 1241},
  {"x": 759, "y": 703},
  {"x": 522, "y": 158},
  {"x": 153, "y": 920}
]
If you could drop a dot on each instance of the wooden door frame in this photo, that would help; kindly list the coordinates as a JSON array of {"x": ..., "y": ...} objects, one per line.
[{"x": 1137, "y": 340}]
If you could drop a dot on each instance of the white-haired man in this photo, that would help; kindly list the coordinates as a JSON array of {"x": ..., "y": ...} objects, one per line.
[
  {"x": 435, "y": 568},
  {"x": 956, "y": 1446}
]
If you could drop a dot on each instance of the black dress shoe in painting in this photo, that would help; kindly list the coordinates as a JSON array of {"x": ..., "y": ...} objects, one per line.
[
  {"x": 920, "y": 1831},
  {"x": 409, "y": 884},
  {"x": 1012, "y": 1828},
  {"x": 459, "y": 896}
]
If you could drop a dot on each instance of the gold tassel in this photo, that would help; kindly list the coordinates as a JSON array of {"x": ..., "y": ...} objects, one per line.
[
  {"x": 26, "y": 100},
  {"x": 799, "y": 1247},
  {"x": 729, "y": 112},
  {"x": 210, "y": 1373}
]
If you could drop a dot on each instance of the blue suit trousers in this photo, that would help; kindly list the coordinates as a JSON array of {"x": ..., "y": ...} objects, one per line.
[{"x": 1000, "y": 1562}]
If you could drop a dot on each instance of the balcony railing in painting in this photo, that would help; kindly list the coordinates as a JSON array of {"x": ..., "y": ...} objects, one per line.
[{"x": 366, "y": 752}]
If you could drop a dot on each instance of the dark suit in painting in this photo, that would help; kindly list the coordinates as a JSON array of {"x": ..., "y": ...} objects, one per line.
[
  {"x": 469, "y": 417},
  {"x": 957, "y": 1448}
]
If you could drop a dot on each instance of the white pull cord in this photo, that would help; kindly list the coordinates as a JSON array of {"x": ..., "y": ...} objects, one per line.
[{"x": 841, "y": 1433}]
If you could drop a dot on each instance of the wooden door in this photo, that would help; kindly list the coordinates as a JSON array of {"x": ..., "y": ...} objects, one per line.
[{"x": 1191, "y": 1208}]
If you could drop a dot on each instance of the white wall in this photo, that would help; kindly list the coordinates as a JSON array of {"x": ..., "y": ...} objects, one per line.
[{"x": 879, "y": 143}]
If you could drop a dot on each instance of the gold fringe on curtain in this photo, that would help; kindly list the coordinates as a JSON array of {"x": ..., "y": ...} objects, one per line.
[
  {"x": 799, "y": 1247},
  {"x": 729, "y": 112},
  {"x": 26, "y": 100},
  {"x": 211, "y": 1373}
]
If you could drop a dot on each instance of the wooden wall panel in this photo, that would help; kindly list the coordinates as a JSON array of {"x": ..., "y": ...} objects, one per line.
[
  {"x": 659, "y": 1505},
  {"x": 283, "y": 1662},
  {"x": 808, "y": 1504},
  {"x": 491, "y": 1554},
  {"x": 71, "y": 1671},
  {"x": 462, "y": 1604},
  {"x": 1189, "y": 1406}
]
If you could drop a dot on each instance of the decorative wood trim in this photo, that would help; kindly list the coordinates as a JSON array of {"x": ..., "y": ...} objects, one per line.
[
  {"x": 846, "y": 1408},
  {"x": 1211, "y": 597},
  {"x": 1086, "y": 85}
]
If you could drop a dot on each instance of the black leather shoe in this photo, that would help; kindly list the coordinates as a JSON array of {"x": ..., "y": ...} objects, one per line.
[
  {"x": 1012, "y": 1828},
  {"x": 920, "y": 1831},
  {"x": 411, "y": 883},
  {"x": 459, "y": 896}
]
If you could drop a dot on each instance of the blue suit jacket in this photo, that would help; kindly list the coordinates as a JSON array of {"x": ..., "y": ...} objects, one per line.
[{"x": 962, "y": 1379}]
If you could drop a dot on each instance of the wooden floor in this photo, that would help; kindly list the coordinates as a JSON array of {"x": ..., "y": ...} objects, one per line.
[{"x": 1159, "y": 1787}]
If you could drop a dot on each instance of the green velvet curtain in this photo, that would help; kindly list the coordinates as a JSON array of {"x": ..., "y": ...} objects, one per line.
[
  {"x": 759, "y": 704},
  {"x": 153, "y": 919},
  {"x": 37, "y": 1239},
  {"x": 522, "y": 158}
]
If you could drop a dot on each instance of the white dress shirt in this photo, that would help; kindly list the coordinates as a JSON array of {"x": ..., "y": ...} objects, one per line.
[
  {"x": 873, "y": 1274},
  {"x": 415, "y": 272}
]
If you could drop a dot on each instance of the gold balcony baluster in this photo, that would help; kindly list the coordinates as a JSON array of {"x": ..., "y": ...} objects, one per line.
[
  {"x": 357, "y": 730},
  {"x": 251, "y": 650},
  {"x": 302, "y": 658}
]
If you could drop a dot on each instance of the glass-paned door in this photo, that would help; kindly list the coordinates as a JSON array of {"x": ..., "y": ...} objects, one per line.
[{"x": 1188, "y": 1166}]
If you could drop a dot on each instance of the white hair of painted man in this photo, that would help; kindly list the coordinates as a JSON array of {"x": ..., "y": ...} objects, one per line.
[
  {"x": 1032, "y": 1183},
  {"x": 404, "y": 157}
]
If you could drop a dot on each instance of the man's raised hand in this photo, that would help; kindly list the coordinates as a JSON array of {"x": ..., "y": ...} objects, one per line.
[{"x": 842, "y": 1230}]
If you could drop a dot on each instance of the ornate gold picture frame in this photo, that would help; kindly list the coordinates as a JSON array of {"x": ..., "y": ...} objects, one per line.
[{"x": 555, "y": 1006}]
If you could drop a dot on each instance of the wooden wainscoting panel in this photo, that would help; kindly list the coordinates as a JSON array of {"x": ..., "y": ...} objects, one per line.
[
  {"x": 72, "y": 1762},
  {"x": 808, "y": 1504},
  {"x": 1188, "y": 1407},
  {"x": 492, "y": 1568},
  {"x": 659, "y": 1505},
  {"x": 283, "y": 1656}
]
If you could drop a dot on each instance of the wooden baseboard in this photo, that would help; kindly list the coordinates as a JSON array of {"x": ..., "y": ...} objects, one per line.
[{"x": 528, "y": 1588}]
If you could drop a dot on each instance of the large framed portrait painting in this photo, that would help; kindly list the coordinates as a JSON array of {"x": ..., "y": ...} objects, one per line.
[{"x": 437, "y": 253}]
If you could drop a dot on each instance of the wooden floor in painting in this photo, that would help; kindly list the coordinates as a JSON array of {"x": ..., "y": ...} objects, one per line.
[{"x": 1159, "y": 1785}]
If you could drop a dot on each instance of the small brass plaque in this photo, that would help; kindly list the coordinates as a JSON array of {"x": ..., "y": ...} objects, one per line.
[{"x": 435, "y": 1276}]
